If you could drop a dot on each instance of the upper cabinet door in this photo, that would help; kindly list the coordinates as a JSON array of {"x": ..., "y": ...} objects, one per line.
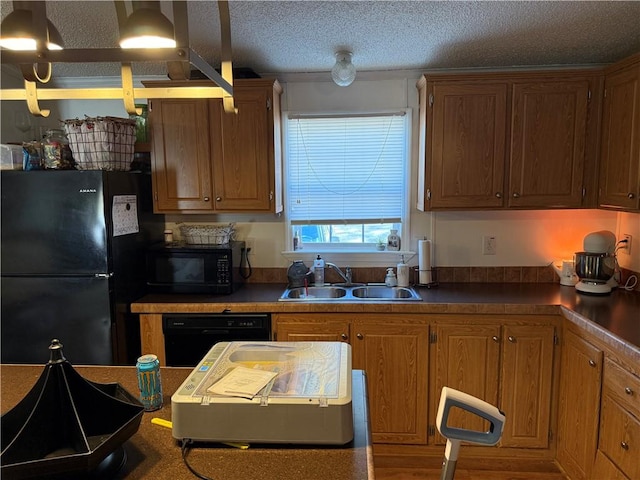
[
  {"x": 620, "y": 154},
  {"x": 467, "y": 146},
  {"x": 242, "y": 164},
  {"x": 548, "y": 135},
  {"x": 181, "y": 156}
]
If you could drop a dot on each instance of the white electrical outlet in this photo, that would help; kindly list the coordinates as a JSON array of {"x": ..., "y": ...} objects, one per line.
[
  {"x": 489, "y": 245},
  {"x": 249, "y": 243},
  {"x": 625, "y": 247}
]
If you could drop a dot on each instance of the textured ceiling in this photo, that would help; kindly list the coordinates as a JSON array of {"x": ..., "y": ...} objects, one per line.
[{"x": 302, "y": 36}]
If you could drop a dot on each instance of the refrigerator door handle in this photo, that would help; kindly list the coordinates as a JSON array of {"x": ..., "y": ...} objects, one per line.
[{"x": 103, "y": 275}]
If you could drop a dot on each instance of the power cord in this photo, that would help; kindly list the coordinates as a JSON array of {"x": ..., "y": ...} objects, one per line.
[
  {"x": 632, "y": 281},
  {"x": 245, "y": 254},
  {"x": 185, "y": 451}
]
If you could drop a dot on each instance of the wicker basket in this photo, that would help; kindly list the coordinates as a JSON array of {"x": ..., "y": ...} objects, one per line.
[
  {"x": 102, "y": 143},
  {"x": 207, "y": 234}
]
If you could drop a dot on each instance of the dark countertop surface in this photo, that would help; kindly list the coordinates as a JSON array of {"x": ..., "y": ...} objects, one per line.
[
  {"x": 617, "y": 314},
  {"x": 152, "y": 452}
]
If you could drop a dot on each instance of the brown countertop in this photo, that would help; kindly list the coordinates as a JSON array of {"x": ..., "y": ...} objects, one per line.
[
  {"x": 152, "y": 452},
  {"x": 616, "y": 315}
]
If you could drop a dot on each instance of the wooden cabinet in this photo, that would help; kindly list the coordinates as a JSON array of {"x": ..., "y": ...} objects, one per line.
[
  {"x": 207, "y": 161},
  {"x": 507, "y": 140},
  {"x": 620, "y": 152},
  {"x": 467, "y": 145},
  {"x": 392, "y": 350},
  {"x": 579, "y": 406},
  {"x": 548, "y": 136},
  {"x": 619, "y": 439},
  {"x": 504, "y": 363}
]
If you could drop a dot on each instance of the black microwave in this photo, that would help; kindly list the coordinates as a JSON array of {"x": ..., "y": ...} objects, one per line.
[{"x": 182, "y": 268}]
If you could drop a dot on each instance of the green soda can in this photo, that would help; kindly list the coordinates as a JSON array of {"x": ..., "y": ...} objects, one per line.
[{"x": 149, "y": 382}]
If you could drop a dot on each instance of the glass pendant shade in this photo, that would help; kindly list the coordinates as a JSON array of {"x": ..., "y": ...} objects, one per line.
[
  {"x": 147, "y": 28},
  {"x": 343, "y": 72},
  {"x": 17, "y": 33}
]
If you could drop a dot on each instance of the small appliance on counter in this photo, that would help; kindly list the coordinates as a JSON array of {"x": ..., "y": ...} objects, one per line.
[
  {"x": 184, "y": 268},
  {"x": 596, "y": 265},
  {"x": 304, "y": 397},
  {"x": 567, "y": 272}
]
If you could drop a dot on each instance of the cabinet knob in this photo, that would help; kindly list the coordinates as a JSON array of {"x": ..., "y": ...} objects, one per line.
[
  {"x": 360, "y": 336},
  {"x": 218, "y": 199},
  {"x": 495, "y": 338},
  {"x": 498, "y": 195},
  {"x": 624, "y": 445},
  {"x": 592, "y": 363},
  {"x": 344, "y": 337},
  {"x": 516, "y": 195},
  {"x": 628, "y": 391},
  {"x": 631, "y": 195},
  {"x": 206, "y": 199},
  {"x": 511, "y": 339}
]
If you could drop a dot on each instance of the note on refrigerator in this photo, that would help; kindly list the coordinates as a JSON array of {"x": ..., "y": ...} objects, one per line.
[{"x": 124, "y": 214}]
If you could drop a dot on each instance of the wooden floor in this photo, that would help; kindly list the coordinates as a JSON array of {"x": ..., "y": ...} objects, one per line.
[{"x": 461, "y": 474}]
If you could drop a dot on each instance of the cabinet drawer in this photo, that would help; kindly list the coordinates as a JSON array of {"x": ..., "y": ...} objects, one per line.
[
  {"x": 623, "y": 386},
  {"x": 620, "y": 437}
]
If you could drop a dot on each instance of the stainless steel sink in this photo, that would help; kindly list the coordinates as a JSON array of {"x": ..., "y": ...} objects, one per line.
[
  {"x": 353, "y": 293},
  {"x": 386, "y": 293},
  {"x": 314, "y": 293}
]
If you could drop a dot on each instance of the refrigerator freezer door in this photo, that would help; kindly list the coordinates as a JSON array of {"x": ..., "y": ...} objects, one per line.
[
  {"x": 75, "y": 310},
  {"x": 53, "y": 223}
]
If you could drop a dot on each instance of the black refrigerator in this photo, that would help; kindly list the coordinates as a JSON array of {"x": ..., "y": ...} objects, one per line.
[{"x": 72, "y": 261}]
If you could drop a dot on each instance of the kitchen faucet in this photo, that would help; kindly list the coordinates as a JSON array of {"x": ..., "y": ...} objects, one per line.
[{"x": 346, "y": 276}]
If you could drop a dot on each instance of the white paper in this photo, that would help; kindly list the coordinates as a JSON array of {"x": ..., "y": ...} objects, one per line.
[
  {"x": 242, "y": 382},
  {"x": 124, "y": 214}
]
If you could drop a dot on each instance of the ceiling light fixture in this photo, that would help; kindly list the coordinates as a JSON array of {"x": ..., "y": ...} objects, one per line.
[
  {"x": 180, "y": 59},
  {"x": 343, "y": 72},
  {"x": 17, "y": 32},
  {"x": 147, "y": 27}
]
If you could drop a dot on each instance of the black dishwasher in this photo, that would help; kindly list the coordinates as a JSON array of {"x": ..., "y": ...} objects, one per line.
[{"x": 188, "y": 337}]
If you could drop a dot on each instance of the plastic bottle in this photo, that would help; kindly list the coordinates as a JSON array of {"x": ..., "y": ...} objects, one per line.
[
  {"x": 403, "y": 273},
  {"x": 297, "y": 241},
  {"x": 393, "y": 241},
  {"x": 318, "y": 271},
  {"x": 390, "y": 280}
]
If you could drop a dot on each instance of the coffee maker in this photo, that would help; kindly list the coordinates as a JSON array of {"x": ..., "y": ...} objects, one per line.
[{"x": 596, "y": 265}]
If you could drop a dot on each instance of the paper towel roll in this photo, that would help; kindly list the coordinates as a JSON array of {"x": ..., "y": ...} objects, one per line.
[{"x": 424, "y": 262}]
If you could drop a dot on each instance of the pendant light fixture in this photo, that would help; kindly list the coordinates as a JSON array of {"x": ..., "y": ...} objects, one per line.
[
  {"x": 343, "y": 72},
  {"x": 17, "y": 32},
  {"x": 170, "y": 45},
  {"x": 147, "y": 27}
]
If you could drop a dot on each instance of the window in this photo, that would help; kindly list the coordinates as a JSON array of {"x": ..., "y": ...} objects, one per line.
[{"x": 346, "y": 177}]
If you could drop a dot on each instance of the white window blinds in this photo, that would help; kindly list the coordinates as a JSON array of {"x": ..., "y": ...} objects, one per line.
[{"x": 346, "y": 168}]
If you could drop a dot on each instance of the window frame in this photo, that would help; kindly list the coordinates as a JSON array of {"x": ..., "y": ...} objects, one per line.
[{"x": 347, "y": 247}]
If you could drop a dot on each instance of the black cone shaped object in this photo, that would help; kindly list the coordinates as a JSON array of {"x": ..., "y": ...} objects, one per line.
[{"x": 66, "y": 425}]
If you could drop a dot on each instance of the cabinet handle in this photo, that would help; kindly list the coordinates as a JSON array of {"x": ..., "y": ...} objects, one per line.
[
  {"x": 624, "y": 445},
  {"x": 218, "y": 199},
  {"x": 628, "y": 391},
  {"x": 206, "y": 199},
  {"x": 360, "y": 336},
  {"x": 344, "y": 337},
  {"x": 498, "y": 195},
  {"x": 592, "y": 363},
  {"x": 511, "y": 339},
  {"x": 516, "y": 195},
  {"x": 631, "y": 195},
  {"x": 495, "y": 338}
]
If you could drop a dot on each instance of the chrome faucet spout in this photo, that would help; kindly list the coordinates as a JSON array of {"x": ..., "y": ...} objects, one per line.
[{"x": 347, "y": 277}]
